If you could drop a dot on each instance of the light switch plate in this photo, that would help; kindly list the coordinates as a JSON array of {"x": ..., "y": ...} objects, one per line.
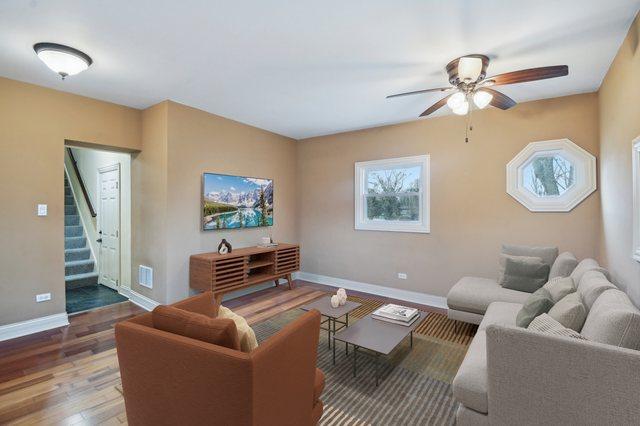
[
  {"x": 42, "y": 209},
  {"x": 402, "y": 275}
]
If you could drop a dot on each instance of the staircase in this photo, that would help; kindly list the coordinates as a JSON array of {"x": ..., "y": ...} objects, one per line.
[{"x": 79, "y": 266}]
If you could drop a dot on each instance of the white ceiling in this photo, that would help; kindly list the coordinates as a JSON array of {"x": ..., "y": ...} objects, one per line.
[{"x": 305, "y": 68}]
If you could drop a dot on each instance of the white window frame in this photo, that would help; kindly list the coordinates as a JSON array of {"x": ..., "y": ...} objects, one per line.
[
  {"x": 422, "y": 225},
  {"x": 585, "y": 176},
  {"x": 635, "y": 152}
]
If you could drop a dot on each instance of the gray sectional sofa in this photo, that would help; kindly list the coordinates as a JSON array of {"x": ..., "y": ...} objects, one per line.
[{"x": 512, "y": 375}]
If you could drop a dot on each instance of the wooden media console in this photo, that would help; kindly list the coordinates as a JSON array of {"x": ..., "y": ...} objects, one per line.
[{"x": 245, "y": 267}]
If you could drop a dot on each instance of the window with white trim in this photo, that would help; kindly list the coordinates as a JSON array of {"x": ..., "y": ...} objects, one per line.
[
  {"x": 551, "y": 176},
  {"x": 392, "y": 194},
  {"x": 636, "y": 198}
]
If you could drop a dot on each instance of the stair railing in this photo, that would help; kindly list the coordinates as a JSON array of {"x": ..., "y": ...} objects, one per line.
[{"x": 84, "y": 189}]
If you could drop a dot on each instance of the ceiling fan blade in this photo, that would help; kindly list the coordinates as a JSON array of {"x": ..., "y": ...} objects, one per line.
[
  {"x": 531, "y": 74},
  {"x": 439, "y": 89},
  {"x": 500, "y": 100},
  {"x": 433, "y": 108}
]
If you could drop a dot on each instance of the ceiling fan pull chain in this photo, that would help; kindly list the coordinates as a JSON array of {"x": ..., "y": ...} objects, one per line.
[{"x": 468, "y": 126}]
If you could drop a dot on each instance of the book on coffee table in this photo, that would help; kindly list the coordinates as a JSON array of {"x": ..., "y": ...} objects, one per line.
[{"x": 396, "y": 314}]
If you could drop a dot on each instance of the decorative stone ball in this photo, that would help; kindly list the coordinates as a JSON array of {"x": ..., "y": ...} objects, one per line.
[
  {"x": 335, "y": 301},
  {"x": 342, "y": 295}
]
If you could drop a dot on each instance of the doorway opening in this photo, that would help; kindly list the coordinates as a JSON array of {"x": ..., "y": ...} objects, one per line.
[{"x": 97, "y": 227}]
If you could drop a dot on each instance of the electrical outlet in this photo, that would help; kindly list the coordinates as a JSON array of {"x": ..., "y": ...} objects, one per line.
[
  {"x": 43, "y": 297},
  {"x": 402, "y": 275},
  {"x": 42, "y": 209}
]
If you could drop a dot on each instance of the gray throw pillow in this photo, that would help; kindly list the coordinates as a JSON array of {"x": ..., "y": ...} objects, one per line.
[
  {"x": 538, "y": 303},
  {"x": 523, "y": 273},
  {"x": 559, "y": 287},
  {"x": 570, "y": 311},
  {"x": 563, "y": 266},
  {"x": 546, "y": 324}
]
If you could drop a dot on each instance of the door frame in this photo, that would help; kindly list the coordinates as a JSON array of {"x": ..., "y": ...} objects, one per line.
[{"x": 113, "y": 167}]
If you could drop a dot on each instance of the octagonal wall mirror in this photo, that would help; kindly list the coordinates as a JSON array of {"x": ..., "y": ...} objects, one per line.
[{"x": 551, "y": 176}]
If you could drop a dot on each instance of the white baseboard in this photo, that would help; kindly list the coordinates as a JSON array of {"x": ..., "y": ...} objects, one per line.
[
  {"x": 143, "y": 301},
  {"x": 393, "y": 293},
  {"x": 18, "y": 329}
]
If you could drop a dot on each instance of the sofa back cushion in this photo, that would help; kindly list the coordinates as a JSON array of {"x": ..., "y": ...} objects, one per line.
[
  {"x": 570, "y": 311},
  {"x": 587, "y": 265},
  {"x": 218, "y": 331},
  {"x": 547, "y": 254},
  {"x": 523, "y": 273},
  {"x": 592, "y": 285},
  {"x": 613, "y": 320},
  {"x": 563, "y": 266}
]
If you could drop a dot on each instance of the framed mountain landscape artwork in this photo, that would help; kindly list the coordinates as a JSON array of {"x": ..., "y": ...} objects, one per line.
[{"x": 233, "y": 202}]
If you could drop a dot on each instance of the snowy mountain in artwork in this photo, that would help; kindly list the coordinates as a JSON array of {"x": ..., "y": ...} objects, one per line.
[{"x": 236, "y": 202}]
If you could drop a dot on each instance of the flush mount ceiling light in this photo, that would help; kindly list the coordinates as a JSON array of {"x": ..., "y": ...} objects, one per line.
[{"x": 61, "y": 59}]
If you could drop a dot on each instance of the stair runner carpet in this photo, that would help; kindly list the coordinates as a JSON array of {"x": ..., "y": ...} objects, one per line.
[{"x": 79, "y": 266}]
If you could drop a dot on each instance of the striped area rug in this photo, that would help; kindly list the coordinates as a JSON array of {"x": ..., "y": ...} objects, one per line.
[{"x": 415, "y": 384}]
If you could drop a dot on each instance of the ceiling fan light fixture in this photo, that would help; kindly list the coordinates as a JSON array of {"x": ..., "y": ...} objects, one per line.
[
  {"x": 61, "y": 59},
  {"x": 456, "y": 100},
  {"x": 463, "y": 109},
  {"x": 482, "y": 98},
  {"x": 469, "y": 68}
]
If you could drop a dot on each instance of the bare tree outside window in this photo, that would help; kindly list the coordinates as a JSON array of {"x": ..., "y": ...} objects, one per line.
[
  {"x": 393, "y": 194},
  {"x": 549, "y": 176}
]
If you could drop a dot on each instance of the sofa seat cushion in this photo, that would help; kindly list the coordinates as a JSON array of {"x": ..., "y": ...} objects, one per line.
[
  {"x": 613, "y": 320},
  {"x": 500, "y": 313},
  {"x": 470, "y": 383},
  {"x": 473, "y": 294},
  {"x": 318, "y": 385}
]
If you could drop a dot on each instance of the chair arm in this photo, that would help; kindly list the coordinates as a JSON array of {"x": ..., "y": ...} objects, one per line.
[
  {"x": 536, "y": 378},
  {"x": 284, "y": 372}
]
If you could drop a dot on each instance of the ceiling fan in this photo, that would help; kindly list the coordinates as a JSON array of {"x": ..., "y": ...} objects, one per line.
[{"x": 469, "y": 83}]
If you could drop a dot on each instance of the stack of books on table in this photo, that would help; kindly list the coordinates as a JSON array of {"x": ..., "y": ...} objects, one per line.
[{"x": 396, "y": 314}]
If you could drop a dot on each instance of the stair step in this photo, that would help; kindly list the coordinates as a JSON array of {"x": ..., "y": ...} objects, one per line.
[
  {"x": 75, "y": 242},
  {"x": 71, "y": 220},
  {"x": 76, "y": 267},
  {"x": 68, "y": 201},
  {"x": 73, "y": 231},
  {"x": 81, "y": 280},
  {"x": 77, "y": 254},
  {"x": 71, "y": 210}
]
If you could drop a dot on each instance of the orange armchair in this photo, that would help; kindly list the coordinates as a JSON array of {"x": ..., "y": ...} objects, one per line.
[{"x": 170, "y": 379}]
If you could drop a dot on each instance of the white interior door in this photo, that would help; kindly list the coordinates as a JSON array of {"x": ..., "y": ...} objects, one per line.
[{"x": 109, "y": 226}]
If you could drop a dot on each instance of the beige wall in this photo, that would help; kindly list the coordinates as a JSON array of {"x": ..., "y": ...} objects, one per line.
[
  {"x": 149, "y": 202},
  {"x": 201, "y": 142},
  {"x": 34, "y": 123},
  {"x": 619, "y": 102},
  {"x": 471, "y": 213}
]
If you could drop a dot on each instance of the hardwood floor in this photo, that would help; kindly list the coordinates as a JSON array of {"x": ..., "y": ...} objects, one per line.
[{"x": 70, "y": 375}]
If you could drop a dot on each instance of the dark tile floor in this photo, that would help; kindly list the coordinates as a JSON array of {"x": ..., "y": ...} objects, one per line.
[{"x": 84, "y": 298}]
